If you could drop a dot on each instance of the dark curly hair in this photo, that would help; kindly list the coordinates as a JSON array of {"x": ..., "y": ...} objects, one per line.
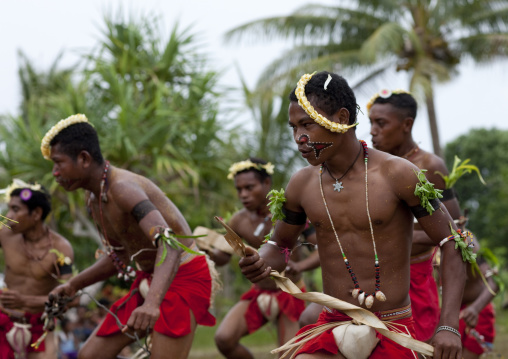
[
  {"x": 337, "y": 95},
  {"x": 401, "y": 101},
  {"x": 40, "y": 199},
  {"x": 79, "y": 137}
]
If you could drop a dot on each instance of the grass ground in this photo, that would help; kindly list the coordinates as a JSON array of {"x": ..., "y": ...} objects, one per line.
[{"x": 261, "y": 342}]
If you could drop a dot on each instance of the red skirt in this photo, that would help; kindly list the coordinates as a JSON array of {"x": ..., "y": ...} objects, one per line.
[
  {"x": 485, "y": 328},
  {"x": 288, "y": 305},
  {"x": 325, "y": 343},
  {"x": 6, "y": 324},
  {"x": 190, "y": 290},
  {"x": 424, "y": 299}
]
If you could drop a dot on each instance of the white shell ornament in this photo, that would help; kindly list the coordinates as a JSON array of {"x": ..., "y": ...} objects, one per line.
[
  {"x": 369, "y": 301},
  {"x": 380, "y": 296},
  {"x": 355, "y": 292},
  {"x": 361, "y": 298}
]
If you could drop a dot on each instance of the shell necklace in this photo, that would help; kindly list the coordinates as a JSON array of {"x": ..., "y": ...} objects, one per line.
[{"x": 357, "y": 291}]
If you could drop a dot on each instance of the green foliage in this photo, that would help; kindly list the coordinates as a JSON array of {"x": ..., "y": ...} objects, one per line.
[
  {"x": 169, "y": 238},
  {"x": 485, "y": 206},
  {"x": 426, "y": 191},
  {"x": 465, "y": 249},
  {"x": 459, "y": 169},
  {"x": 154, "y": 102},
  {"x": 276, "y": 203}
]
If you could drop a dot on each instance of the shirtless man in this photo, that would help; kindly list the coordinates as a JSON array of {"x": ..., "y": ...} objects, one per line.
[
  {"x": 137, "y": 222},
  {"x": 392, "y": 114},
  {"x": 263, "y": 302},
  {"x": 36, "y": 258},
  {"x": 361, "y": 202}
]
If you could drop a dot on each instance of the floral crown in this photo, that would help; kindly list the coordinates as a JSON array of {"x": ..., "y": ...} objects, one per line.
[
  {"x": 26, "y": 194},
  {"x": 245, "y": 165},
  {"x": 307, "y": 107},
  {"x": 56, "y": 129},
  {"x": 384, "y": 94}
]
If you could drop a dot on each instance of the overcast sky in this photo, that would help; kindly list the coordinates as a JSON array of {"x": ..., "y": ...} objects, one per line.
[{"x": 42, "y": 29}]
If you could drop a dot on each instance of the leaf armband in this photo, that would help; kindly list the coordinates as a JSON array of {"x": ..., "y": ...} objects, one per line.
[
  {"x": 461, "y": 242},
  {"x": 426, "y": 192},
  {"x": 276, "y": 204},
  {"x": 167, "y": 237}
]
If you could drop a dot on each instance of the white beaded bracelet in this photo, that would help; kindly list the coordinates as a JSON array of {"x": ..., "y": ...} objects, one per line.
[{"x": 450, "y": 329}]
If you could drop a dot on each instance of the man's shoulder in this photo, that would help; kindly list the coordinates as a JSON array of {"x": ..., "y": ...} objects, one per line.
[
  {"x": 430, "y": 161},
  {"x": 61, "y": 243}
]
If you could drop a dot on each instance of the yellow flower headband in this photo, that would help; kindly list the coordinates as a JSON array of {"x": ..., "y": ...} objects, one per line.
[
  {"x": 384, "y": 94},
  {"x": 17, "y": 183},
  {"x": 245, "y": 165},
  {"x": 55, "y": 130},
  {"x": 307, "y": 107}
]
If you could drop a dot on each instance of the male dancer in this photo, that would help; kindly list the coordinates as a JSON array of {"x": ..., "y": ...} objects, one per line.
[
  {"x": 392, "y": 114},
  {"x": 362, "y": 210},
  {"x": 172, "y": 289},
  {"x": 263, "y": 302},
  {"x": 36, "y": 259}
]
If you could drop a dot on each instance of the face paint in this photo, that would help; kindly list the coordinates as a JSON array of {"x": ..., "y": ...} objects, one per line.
[{"x": 318, "y": 147}]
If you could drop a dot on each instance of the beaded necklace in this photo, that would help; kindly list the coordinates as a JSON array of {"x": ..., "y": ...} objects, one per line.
[
  {"x": 124, "y": 271},
  {"x": 358, "y": 292}
]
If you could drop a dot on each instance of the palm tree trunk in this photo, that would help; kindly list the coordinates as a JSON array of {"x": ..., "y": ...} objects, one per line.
[{"x": 434, "y": 131}]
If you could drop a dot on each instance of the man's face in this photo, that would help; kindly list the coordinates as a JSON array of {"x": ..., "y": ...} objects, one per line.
[
  {"x": 386, "y": 127},
  {"x": 314, "y": 141},
  {"x": 18, "y": 211},
  {"x": 251, "y": 191},
  {"x": 65, "y": 170}
]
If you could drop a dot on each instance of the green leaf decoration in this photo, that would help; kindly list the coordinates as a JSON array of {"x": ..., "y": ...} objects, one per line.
[
  {"x": 466, "y": 250},
  {"x": 168, "y": 237},
  {"x": 276, "y": 203},
  {"x": 426, "y": 191},
  {"x": 459, "y": 169}
]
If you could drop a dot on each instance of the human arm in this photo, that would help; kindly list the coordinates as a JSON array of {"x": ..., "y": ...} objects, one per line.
[
  {"x": 438, "y": 226},
  {"x": 470, "y": 313},
  {"x": 219, "y": 257},
  {"x": 309, "y": 263},
  {"x": 146, "y": 212}
]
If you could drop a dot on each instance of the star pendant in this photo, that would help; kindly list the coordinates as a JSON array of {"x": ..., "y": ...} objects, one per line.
[{"x": 337, "y": 186}]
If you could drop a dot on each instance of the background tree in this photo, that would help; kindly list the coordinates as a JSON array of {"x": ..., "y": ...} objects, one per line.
[
  {"x": 154, "y": 102},
  {"x": 272, "y": 139},
  {"x": 487, "y": 205},
  {"x": 426, "y": 38}
]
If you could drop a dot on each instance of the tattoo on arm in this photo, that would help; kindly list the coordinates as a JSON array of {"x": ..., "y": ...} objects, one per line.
[
  {"x": 296, "y": 218},
  {"x": 419, "y": 211},
  {"x": 142, "y": 209}
]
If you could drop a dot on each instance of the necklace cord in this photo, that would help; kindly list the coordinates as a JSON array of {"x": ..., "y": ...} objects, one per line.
[{"x": 349, "y": 168}]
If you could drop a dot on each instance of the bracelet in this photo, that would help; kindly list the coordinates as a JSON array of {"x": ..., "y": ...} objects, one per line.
[
  {"x": 450, "y": 329},
  {"x": 284, "y": 250},
  {"x": 463, "y": 235}
]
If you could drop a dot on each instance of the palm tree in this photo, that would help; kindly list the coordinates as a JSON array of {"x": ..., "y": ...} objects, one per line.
[{"x": 426, "y": 38}]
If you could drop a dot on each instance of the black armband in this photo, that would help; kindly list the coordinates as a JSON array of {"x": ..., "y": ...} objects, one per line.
[
  {"x": 65, "y": 269},
  {"x": 419, "y": 211},
  {"x": 296, "y": 218},
  {"x": 142, "y": 209},
  {"x": 448, "y": 194}
]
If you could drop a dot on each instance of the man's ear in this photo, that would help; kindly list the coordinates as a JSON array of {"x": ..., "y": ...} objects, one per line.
[
  {"x": 37, "y": 214},
  {"x": 407, "y": 124},
  {"x": 343, "y": 116},
  {"x": 84, "y": 159}
]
